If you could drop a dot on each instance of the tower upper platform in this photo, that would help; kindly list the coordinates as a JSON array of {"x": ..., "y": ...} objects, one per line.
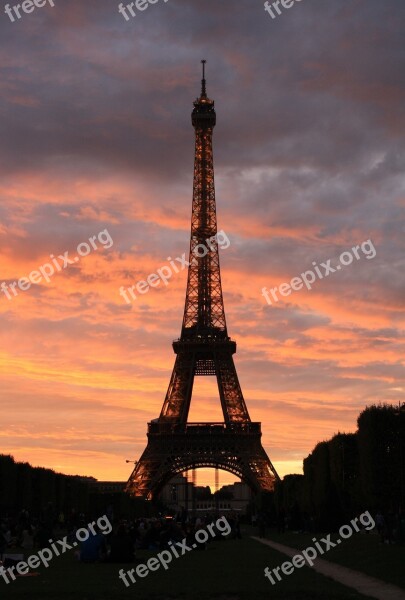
[{"x": 203, "y": 115}]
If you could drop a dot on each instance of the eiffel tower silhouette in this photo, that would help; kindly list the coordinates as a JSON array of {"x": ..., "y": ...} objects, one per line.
[{"x": 204, "y": 349}]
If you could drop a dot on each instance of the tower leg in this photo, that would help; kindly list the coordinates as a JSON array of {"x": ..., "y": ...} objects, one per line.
[
  {"x": 230, "y": 392},
  {"x": 178, "y": 397}
]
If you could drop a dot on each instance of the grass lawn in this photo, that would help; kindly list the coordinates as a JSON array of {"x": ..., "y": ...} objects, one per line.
[
  {"x": 362, "y": 552},
  {"x": 228, "y": 570}
]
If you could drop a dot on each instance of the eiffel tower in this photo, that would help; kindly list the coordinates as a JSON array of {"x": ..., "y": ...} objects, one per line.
[{"x": 204, "y": 349}]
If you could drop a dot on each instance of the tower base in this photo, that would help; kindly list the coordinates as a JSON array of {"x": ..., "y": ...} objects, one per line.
[{"x": 174, "y": 448}]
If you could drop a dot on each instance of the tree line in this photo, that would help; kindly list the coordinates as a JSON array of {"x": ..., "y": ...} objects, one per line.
[
  {"x": 350, "y": 473},
  {"x": 33, "y": 488},
  {"x": 41, "y": 491}
]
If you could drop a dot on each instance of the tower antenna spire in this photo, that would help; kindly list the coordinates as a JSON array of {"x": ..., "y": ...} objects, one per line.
[{"x": 203, "y": 81}]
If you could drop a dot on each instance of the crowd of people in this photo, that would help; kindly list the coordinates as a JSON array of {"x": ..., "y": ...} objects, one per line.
[
  {"x": 119, "y": 546},
  {"x": 152, "y": 534},
  {"x": 26, "y": 533},
  {"x": 389, "y": 525}
]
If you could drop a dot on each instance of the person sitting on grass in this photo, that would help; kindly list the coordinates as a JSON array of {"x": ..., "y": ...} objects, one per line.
[
  {"x": 121, "y": 546},
  {"x": 94, "y": 549}
]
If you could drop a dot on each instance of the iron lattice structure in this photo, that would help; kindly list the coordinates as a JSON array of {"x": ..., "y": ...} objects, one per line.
[{"x": 204, "y": 348}]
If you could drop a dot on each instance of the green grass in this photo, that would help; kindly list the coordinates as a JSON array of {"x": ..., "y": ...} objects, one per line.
[
  {"x": 228, "y": 570},
  {"x": 362, "y": 552}
]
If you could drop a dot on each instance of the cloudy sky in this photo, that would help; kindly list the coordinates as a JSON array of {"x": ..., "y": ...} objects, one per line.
[{"x": 309, "y": 157}]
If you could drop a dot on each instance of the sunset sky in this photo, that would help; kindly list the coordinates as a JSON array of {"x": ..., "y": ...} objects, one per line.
[{"x": 309, "y": 156}]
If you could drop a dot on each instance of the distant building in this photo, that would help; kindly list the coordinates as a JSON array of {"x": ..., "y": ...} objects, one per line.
[
  {"x": 180, "y": 493},
  {"x": 107, "y": 487},
  {"x": 177, "y": 492}
]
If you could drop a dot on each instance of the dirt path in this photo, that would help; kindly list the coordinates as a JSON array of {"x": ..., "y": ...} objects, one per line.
[{"x": 364, "y": 584}]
